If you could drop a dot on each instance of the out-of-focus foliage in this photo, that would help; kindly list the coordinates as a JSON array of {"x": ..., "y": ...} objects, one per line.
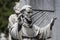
[{"x": 6, "y": 9}]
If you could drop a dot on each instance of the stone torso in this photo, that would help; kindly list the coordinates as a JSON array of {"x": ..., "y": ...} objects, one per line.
[{"x": 30, "y": 32}]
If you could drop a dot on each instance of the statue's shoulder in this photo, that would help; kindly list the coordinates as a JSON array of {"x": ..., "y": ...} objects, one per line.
[
  {"x": 36, "y": 27},
  {"x": 12, "y": 15}
]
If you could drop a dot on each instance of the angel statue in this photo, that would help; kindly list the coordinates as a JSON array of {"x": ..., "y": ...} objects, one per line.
[{"x": 21, "y": 26}]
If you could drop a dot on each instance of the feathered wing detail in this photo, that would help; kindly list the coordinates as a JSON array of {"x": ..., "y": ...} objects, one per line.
[{"x": 44, "y": 21}]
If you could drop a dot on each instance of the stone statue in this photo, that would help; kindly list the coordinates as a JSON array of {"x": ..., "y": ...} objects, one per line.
[
  {"x": 21, "y": 27},
  {"x": 13, "y": 23},
  {"x": 30, "y": 31}
]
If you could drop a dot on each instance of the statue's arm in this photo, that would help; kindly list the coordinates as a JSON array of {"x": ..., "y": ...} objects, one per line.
[
  {"x": 10, "y": 19},
  {"x": 9, "y": 27},
  {"x": 52, "y": 23}
]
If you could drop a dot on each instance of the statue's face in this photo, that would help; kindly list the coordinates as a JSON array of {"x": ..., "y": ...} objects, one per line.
[
  {"x": 27, "y": 15},
  {"x": 17, "y": 11}
]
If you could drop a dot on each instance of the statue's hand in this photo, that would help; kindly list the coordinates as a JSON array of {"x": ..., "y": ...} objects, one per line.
[
  {"x": 54, "y": 18},
  {"x": 52, "y": 22}
]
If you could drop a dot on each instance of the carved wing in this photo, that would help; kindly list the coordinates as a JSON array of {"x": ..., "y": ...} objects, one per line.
[{"x": 41, "y": 18}]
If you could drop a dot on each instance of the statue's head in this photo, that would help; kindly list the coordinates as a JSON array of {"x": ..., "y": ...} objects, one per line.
[
  {"x": 27, "y": 12},
  {"x": 16, "y": 8}
]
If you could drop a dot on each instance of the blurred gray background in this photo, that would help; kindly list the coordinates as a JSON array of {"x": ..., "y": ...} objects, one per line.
[{"x": 57, "y": 24}]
